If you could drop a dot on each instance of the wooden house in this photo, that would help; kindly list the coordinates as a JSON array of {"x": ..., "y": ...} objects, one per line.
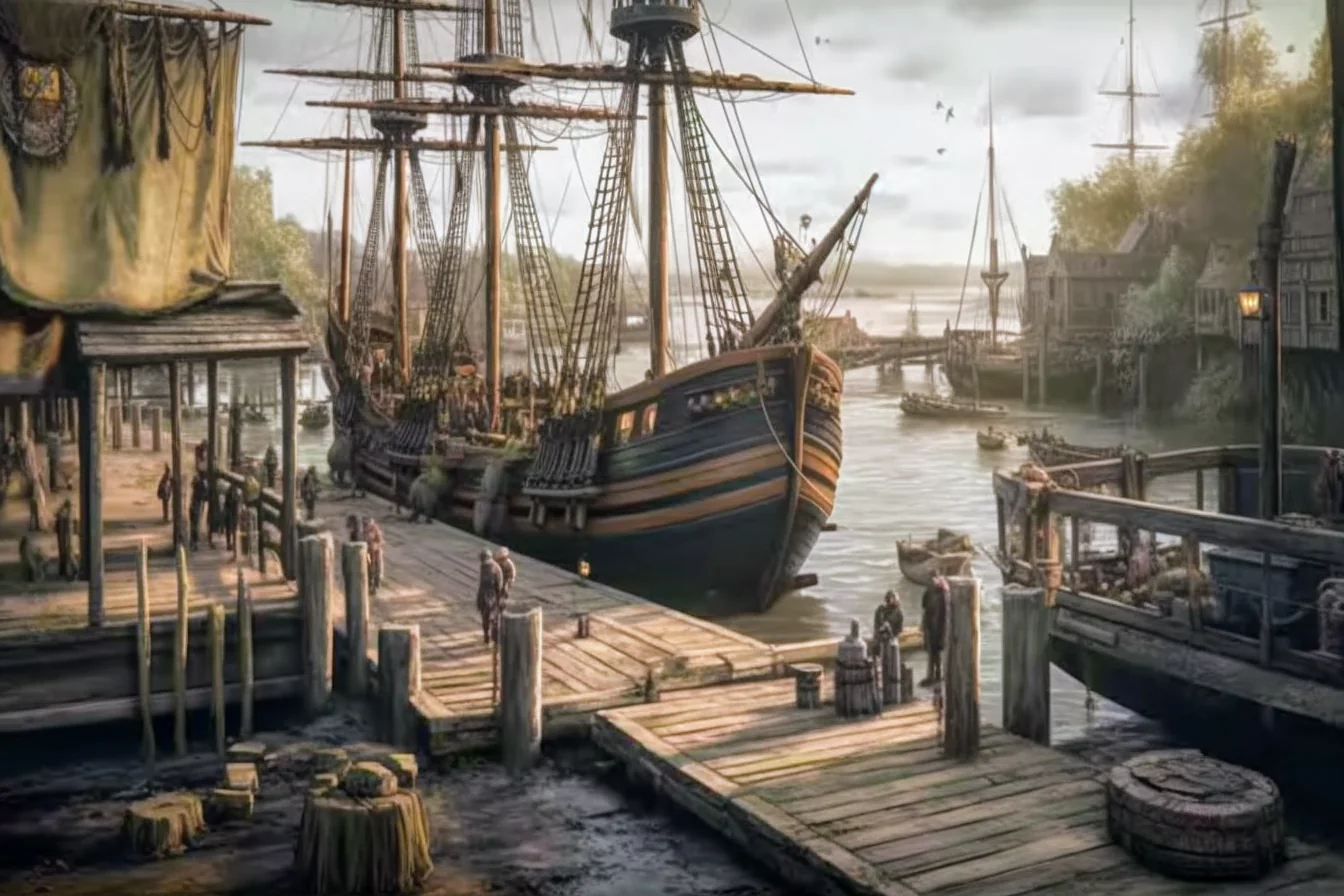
[
  {"x": 1309, "y": 300},
  {"x": 1216, "y": 314},
  {"x": 1085, "y": 289},
  {"x": 1037, "y": 295}
]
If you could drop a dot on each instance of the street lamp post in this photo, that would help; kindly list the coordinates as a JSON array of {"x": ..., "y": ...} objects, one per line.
[{"x": 1257, "y": 303}]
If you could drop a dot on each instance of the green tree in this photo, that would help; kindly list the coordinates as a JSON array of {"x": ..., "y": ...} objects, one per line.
[
  {"x": 267, "y": 248},
  {"x": 1243, "y": 55},
  {"x": 1092, "y": 213}
]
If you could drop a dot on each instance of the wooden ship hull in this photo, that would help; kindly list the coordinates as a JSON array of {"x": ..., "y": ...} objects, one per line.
[
  {"x": 949, "y": 409},
  {"x": 714, "y": 512},
  {"x": 1058, "y": 454}
]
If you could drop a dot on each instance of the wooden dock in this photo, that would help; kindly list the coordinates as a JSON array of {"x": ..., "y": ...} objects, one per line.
[
  {"x": 431, "y": 578},
  {"x": 872, "y": 806}
]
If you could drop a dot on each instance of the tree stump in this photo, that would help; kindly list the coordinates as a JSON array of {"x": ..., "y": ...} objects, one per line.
[
  {"x": 363, "y": 844},
  {"x": 807, "y": 685},
  {"x": 1188, "y": 816},
  {"x": 163, "y": 825}
]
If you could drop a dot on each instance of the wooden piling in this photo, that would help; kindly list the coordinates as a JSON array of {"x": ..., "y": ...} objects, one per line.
[
  {"x": 92, "y": 395},
  {"x": 156, "y": 429},
  {"x": 1143, "y": 383},
  {"x": 180, "y": 656},
  {"x": 1199, "y": 489},
  {"x": 245, "y": 670},
  {"x": 261, "y": 536},
  {"x": 217, "y": 674},
  {"x": 175, "y": 441},
  {"x": 53, "y": 461},
  {"x": 355, "y": 570},
  {"x": 144, "y": 651},
  {"x": 520, "y": 638},
  {"x": 398, "y": 682},
  {"x": 889, "y": 660},
  {"x": 1026, "y": 663},
  {"x": 961, "y": 670},
  {"x": 117, "y": 429},
  {"x": 25, "y": 421},
  {"x": 137, "y": 424},
  {"x": 314, "y": 576}
]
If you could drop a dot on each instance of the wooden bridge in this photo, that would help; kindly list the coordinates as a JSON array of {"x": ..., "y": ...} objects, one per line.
[{"x": 887, "y": 350}]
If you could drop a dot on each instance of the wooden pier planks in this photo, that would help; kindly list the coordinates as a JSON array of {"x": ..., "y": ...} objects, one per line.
[
  {"x": 430, "y": 579},
  {"x": 872, "y": 806}
]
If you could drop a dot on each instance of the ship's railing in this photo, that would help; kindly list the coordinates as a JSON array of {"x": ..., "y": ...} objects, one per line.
[{"x": 1128, "y": 575}]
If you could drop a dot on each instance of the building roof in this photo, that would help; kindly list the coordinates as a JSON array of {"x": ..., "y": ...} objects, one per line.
[
  {"x": 1110, "y": 266},
  {"x": 1224, "y": 268},
  {"x": 242, "y": 320}
]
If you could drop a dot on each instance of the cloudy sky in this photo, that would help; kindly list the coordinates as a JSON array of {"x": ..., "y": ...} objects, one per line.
[{"x": 1046, "y": 59}]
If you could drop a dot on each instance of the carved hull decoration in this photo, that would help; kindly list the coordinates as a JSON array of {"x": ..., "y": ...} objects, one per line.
[{"x": 39, "y": 108}]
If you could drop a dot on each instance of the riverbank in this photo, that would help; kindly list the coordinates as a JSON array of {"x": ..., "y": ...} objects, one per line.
[{"x": 564, "y": 829}]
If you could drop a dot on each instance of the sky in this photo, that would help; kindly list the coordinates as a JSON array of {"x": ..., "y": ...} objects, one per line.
[{"x": 1045, "y": 60}]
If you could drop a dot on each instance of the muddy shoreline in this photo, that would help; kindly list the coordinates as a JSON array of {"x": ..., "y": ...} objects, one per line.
[{"x": 570, "y": 827}]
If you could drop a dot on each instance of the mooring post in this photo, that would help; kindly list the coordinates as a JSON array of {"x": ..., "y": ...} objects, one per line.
[
  {"x": 217, "y": 674},
  {"x": 180, "y": 656},
  {"x": 355, "y": 570},
  {"x": 520, "y": 636},
  {"x": 137, "y": 424},
  {"x": 1026, "y": 663},
  {"x": 889, "y": 658},
  {"x": 156, "y": 429},
  {"x": 398, "y": 682},
  {"x": 807, "y": 685},
  {"x": 245, "y": 673},
  {"x": 315, "y": 559},
  {"x": 1199, "y": 489},
  {"x": 144, "y": 651},
  {"x": 25, "y": 421},
  {"x": 117, "y": 429},
  {"x": 961, "y": 690}
]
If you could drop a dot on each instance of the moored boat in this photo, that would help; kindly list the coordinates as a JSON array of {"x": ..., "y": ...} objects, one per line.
[
  {"x": 948, "y": 553},
  {"x": 316, "y": 415},
  {"x": 991, "y": 439},
  {"x": 1049, "y": 450},
  {"x": 915, "y": 404}
]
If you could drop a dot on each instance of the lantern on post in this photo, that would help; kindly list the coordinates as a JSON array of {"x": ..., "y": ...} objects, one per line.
[{"x": 1251, "y": 302}]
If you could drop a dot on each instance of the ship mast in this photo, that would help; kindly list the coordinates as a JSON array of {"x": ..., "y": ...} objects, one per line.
[
  {"x": 993, "y": 278},
  {"x": 1131, "y": 94},
  {"x": 347, "y": 211},
  {"x": 493, "y": 91}
]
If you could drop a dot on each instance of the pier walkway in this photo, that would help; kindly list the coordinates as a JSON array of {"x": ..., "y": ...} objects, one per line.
[
  {"x": 431, "y": 577},
  {"x": 872, "y": 807}
]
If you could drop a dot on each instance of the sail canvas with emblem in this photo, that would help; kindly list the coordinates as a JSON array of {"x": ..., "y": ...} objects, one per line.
[{"x": 115, "y": 157}]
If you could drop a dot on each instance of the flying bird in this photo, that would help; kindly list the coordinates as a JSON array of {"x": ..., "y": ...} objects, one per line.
[
  {"x": 822, "y": 40},
  {"x": 942, "y": 149},
  {"x": 939, "y": 107},
  {"x": 949, "y": 114},
  {"x": 1292, "y": 48}
]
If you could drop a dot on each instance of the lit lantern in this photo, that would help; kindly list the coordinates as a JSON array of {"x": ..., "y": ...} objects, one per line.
[
  {"x": 584, "y": 568},
  {"x": 1251, "y": 301}
]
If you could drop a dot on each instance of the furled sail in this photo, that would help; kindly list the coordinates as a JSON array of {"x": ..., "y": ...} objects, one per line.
[{"x": 118, "y": 138}]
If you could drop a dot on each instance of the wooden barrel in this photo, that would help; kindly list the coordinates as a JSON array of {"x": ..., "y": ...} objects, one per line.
[
  {"x": 856, "y": 689},
  {"x": 1188, "y": 816},
  {"x": 807, "y": 685}
]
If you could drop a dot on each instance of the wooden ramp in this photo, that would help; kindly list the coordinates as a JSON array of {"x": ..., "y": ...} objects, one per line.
[{"x": 872, "y": 807}]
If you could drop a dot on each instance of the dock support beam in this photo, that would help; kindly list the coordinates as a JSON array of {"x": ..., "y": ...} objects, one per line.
[
  {"x": 175, "y": 449},
  {"x": 93, "y": 397},
  {"x": 1026, "y": 663},
  {"x": 355, "y": 570},
  {"x": 520, "y": 633},
  {"x": 289, "y": 461},
  {"x": 315, "y": 574},
  {"x": 212, "y": 443},
  {"x": 398, "y": 682},
  {"x": 961, "y": 690}
]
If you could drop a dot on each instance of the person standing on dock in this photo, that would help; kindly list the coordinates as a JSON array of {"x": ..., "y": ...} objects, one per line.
[
  {"x": 198, "y": 497},
  {"x": 165, "y": 490},
  {"x": 490, "y": 595},
  {"x": 933, "y": 622},
  {"x": 890, "y": 614},
  {"x": 271, "y": 464},
  {"x": 373, "y": 537},
  {"x": 233, "y": 501},
  {"x": 308, "y": 490},
  {"x": 509, "y": 574}
]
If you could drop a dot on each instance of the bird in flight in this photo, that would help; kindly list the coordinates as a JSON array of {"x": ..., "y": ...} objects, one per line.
[
  {"x": 949, "y": 114},
  {"x": 942, "y": 149},
  {"x": 939, "y": 106},
  {"x": 822, "y": 40}
]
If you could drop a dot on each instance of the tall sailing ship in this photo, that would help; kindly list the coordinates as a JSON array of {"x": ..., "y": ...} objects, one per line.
[{"x": 705, "y": 485}]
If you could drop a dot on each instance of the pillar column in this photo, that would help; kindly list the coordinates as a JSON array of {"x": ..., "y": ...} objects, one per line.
[
  {"x": 289, "y": 461},
  {"x": 93, "y": 401},
  {"x": 175, "y": 449}
]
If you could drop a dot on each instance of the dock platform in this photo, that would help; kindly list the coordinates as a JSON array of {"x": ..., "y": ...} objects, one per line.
[
  {"x": 872, "y": 807},
  {"x": 431, "y": 578}
]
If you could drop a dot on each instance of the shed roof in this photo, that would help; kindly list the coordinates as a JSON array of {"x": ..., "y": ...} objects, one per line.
[
  {"x": 1224, "y": 268},
  {"x": 242, "y": 320},
  {"x": 1110, "y": 266}
]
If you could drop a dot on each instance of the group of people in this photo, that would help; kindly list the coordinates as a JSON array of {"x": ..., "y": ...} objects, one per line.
[
  {"x": 367, "y": 530},
  {"x": 492, "y": 589},
  {"x": 932, "y": 623}
]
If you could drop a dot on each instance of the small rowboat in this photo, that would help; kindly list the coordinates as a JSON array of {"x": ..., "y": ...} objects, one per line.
[
  {"x": 315, "y": 416},
  {"x": 949, "y": 553},
  {"x": 916, "y": 405},
  {"x": 991, "y": 439}
]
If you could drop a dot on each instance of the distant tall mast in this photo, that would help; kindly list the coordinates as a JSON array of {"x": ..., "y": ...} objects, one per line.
[
  {"x": 1131, "y": 95},
  {"x": 993, "y": 278},
  {"x": 1223, "y": 21}
]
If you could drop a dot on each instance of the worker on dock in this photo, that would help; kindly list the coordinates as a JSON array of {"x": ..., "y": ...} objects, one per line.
[
  {"x": 233, "y": 502},
  {"x": 373, "y": 538},
  {"x": 509, "y": 573},
  {"x": 889, "y": 612},
  {"x": 165, "y": 490},
  {"x": 66, "y": 567},
  {"x": 309, "y": 490},
  {"x": 490, "y": 595},
  {"x": 933, "y": 623},
  {"x": 199, "y": 491}
]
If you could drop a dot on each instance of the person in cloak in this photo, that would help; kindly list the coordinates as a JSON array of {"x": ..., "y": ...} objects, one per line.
[
  {"x": 352, "y": 528},
  {"x": 271, "y": 464},
  {"x": 308, "y": 490},
  {"x": 233, "y": 503},
  {"x": 65, "y": 542},
  {"x": 889, "y": 613},
  {"x": 933, "y": 622},
  {"x": 489, "y": 595},
  {"x": 202, "y": 453},
  {"x": 198, "y": 500},
  {"x": 165, "y": 489},
  {"x": 509, "y": 571},
  {"x": 373, "y": 537}
]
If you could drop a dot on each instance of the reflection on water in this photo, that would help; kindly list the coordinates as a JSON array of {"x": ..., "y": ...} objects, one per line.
[{"x": 901, "y": 477}]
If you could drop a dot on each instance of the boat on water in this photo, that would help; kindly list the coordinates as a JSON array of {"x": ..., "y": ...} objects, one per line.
[
  {"x": 991, "y": 439},
  {"x": 315, "y": 416},
  {"x": 915, "y": 404},
  {"x": 1049, "y": 450},
  {"x": 705, "y": 485},
  {"x": 947, "y": 553}
]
